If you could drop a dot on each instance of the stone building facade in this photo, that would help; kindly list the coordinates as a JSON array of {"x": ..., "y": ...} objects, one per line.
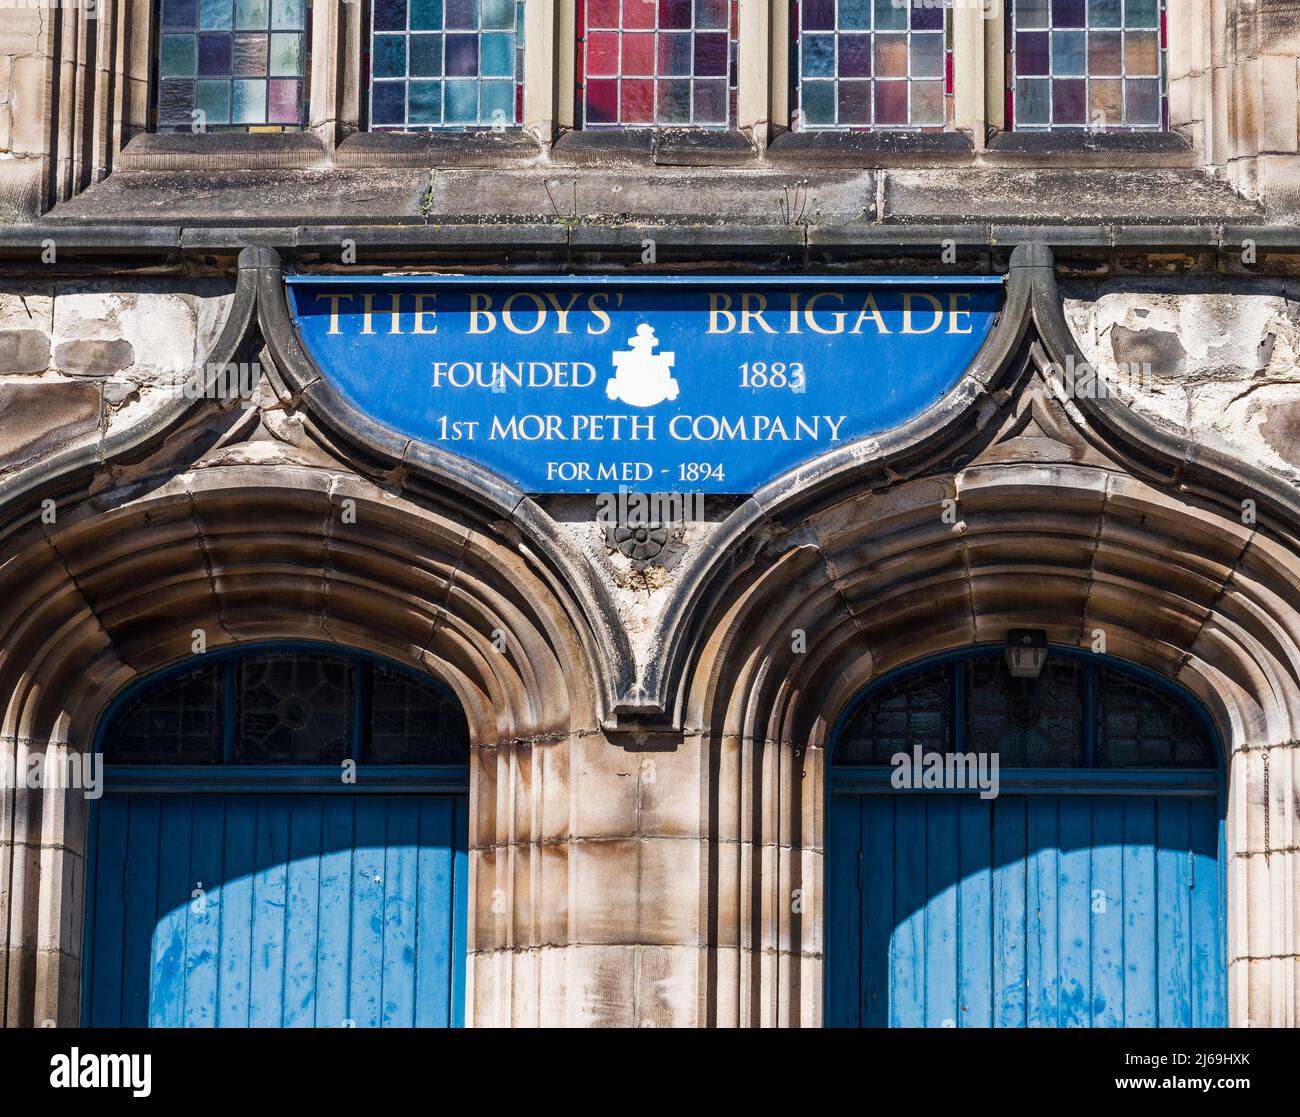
[{"x": 650, "y": 750}]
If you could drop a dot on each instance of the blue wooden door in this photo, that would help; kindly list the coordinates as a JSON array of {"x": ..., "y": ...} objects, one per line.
[
  {"x": 1024, "y": 911},
  {"x": 277, "y": 910}
]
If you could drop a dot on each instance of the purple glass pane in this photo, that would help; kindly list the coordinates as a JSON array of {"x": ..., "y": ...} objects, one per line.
[
  {"x": 711, "y": 55},
  {"x": 462, "y": 56},
  {"x": 855, "y": 102},
  {"x": 214, "y": 55},
  {"x": 602, "y": 102},
  {"x": 891, "y": 102},
  {"x": 461, "y": 14},
  {"x": 388, "y": 102},
  {"x": 180, "y": 15},
  {"x": 711, "y": 14},
  {"x": 283, "y": 101},
  {"x": 1031, "y": 52},
  {"x": 674, "y": 13},
  {"x": 817, "y": 15},
  {"x": 674, "y": 55},
  {"x": 1069, "y": 101},
  {"x": 855, "y": 56},
  {"x": 389, "y": 15},
  {"x": 1068, "y": 13},
  {"x": 710, "y": 102},
  {"x": 927, "y": 18}
]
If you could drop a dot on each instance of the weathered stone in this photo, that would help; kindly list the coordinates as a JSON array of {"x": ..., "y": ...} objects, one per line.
[
  {"x": 94, "y": 358},
  {"x": 41, "y": 416},
  {"x": 1158, "y": 350},
  {"x": 24, "y": 351}
]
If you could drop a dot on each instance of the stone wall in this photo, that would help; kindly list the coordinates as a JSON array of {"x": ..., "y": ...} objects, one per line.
[{"x": 79, "y": 358}]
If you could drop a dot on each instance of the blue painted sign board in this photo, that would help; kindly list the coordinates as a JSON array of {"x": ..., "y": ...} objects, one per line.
[{"x": 653, "y": 384}]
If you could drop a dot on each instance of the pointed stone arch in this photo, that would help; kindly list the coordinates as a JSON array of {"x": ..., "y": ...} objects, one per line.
[{"x": 1028, "y": 511}]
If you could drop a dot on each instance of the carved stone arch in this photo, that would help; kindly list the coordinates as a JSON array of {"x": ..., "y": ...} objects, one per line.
[
  {"x": 195, "y": 518},
  {"x": 1072, "y": 516}
]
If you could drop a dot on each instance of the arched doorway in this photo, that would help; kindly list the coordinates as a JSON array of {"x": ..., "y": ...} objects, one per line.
[
  {"x": 282, "y": 842},
  {"x": 1087, "y": 891}
]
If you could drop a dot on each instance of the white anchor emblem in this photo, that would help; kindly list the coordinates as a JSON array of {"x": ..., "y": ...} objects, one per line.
[{"x": 642, "y": 378}]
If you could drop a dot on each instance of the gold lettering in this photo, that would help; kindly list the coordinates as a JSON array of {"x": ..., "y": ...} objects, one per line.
[
  {"x": 420, "y": 314},
  {"x": 907, "y": 312},
  {"x": 794, "y": 313},
  {"x": 538, "y": 305},
  {"x": 811, "y": 308},
  {"x": 872, "y": 311},
  {"x": 599, "y": 313},
  {"x": 480, "y": 307},
  {"x": 719, "y": 308},
  {"x": 747, "y": 298},
  {"x": 562, "y": 312},
  {"x": 334, "y": 301},
  {"x": 953, "y": 313}
]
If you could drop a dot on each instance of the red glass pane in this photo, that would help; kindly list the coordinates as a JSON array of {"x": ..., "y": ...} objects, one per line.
[
  {"x": 637, "y": 102},
  {"x": 602, "y": 13},
  {"x": 638, "y": 54},
  {"x": 602, "y": 54}
]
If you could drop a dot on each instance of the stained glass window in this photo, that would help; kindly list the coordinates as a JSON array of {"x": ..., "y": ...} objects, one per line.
[
  {"x": 866, "y": 64},
  {"x": 290, "y": 707},
  {"x": 1094, "y": 64},
  {"x": 915, "y": 711},
  {"x": 1076, "y": 713},
  {"x": 231, "y": 65},
  {"x": 446, "y": 64},
  {"x": 293, "y": 709},
  {"x": 178, "y": 723},
  {"x": 657, "y": 62},
  {"x": 1143, "y": 727}
]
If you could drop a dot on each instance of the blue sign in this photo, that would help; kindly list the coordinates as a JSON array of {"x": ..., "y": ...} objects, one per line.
[{"x": 654, "y": 384}]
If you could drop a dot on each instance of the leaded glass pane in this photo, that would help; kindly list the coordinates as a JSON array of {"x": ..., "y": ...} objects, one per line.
[
  {"x": 1087, "y": 64},
  {"x": 179, "y": 722},
  {"x": 293, "y": 709},
  {"x": 1034, "y": 723},
  {"x": 231, "y": 65},
  {"x": 446, "y": 64},
  {"x": 913, "y": 712},
  {"x": 413, "y": 723},
  {"x": 867, "y": 64},
  {"x": 658, "y": 62},
  {"x": 1143, "y": 727}
]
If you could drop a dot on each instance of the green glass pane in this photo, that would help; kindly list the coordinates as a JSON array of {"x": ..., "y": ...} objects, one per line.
[
  {"x": 1031, "y": 14},
  {"x": 249, "y": 102},
  {"x": 927, "y": 56},
  {"x": 286, "y": 15},
  {"x": 1103, "y": 13},
  {"x": 498, "y": 14},
  {"x": 1068, "y": 53},
  {"x": 212, "y": 98},
  {"x": 251, "y": 15},
  {"x": 461, "y": 98},
  {"x": 178, "y": 56},
  {"x": 286, "y": 55},
  {"x": 215, "y": 15},
  {"x": 496, "y": 55},
  {"x": 1141, "y": 13},
  {"x": 426, "y": 57},
  {"x": 425, "y": 103},
  {"x": 855, "y": 15},
  {"x": 389, "y": 57},
  {"x": 426, "y": 15},
  {"x": 817, "y": 100},
  {"x": 891, "y": 16},
  {"x": 497, "y": 101},
  {"x": 927, "y": 103}
]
